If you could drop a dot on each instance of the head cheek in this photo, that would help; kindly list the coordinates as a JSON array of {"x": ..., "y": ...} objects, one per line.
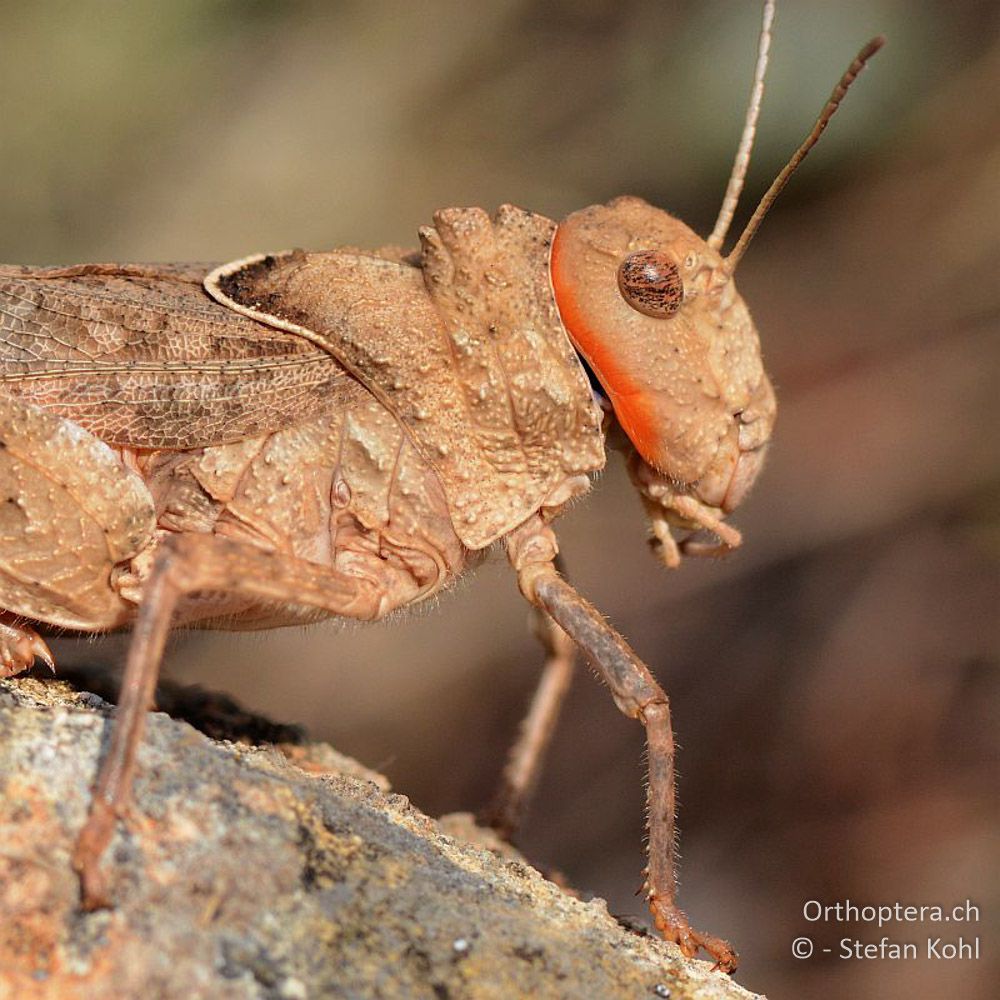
[
  {"x": 641, "y": 420},
  {"x": 625, "y": 351}
]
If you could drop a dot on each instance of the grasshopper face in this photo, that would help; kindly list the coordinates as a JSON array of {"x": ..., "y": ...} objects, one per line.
[{"x": 654, "y": 312}]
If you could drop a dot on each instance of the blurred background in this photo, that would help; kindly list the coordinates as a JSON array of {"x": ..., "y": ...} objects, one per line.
[{"x": 834, "y": 683}]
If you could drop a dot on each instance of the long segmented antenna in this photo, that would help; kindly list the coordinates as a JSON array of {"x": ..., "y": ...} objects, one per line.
[
  {"x": 742, "y": 161},
  {"x": 800, "y": 154}
]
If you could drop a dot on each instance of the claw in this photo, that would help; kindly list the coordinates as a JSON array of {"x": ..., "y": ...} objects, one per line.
[
  {"x": 90, "y": 846},
  {"x": 20, "y": 645},
  {"x": 39, "y": 649},
  {"x": 674, "y": 926}
]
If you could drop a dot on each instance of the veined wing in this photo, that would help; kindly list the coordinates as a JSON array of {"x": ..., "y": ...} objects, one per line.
[{"x": 141, "y": 356}]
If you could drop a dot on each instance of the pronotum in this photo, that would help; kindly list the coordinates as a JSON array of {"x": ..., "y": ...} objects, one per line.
[{"x": 299, "y": 435}]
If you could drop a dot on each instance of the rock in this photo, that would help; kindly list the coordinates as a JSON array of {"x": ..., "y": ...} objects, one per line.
[{"x": 242, "y": 875}]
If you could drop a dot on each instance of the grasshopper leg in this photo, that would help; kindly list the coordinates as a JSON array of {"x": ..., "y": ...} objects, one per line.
[
  {"x": 638, "y": 696},
  {"x": 527, "y": 755},
  {"x": 186, "y": 564},
  {"x": 20, "y": 646}
]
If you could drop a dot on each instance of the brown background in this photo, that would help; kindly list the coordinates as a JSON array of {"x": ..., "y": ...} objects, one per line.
[{"x": 834, "y": 683}]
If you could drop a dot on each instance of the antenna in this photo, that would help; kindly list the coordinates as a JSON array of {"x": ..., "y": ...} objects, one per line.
[
  {"x": 742, "y": 161},
  {"x": 850, "y": 75}
]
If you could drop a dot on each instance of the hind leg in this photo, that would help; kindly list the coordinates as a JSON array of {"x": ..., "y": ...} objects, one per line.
[
  {"x": 20, "y": 645},
  {"x": 70, "y": 511},
  {"x": 186, "y": 564}
]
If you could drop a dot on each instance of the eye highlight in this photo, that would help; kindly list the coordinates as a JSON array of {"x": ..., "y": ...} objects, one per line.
[{"x": 650, "y": 283}]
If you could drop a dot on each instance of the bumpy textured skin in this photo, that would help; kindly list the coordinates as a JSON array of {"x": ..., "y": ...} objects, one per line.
[
  {"x": 434, "y": 405},
  {"x": 468, "y": 351},
  {"x": 343, "y": 433},
  {"x": 689, "y": 389},
  {"x": 386, "y": 414},
  {"x": 342, "y": 485},
  {"x": 347, "y": 490}
]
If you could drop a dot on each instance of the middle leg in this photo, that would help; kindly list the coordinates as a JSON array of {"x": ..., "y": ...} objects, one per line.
[{"x": 527, "y": 756}]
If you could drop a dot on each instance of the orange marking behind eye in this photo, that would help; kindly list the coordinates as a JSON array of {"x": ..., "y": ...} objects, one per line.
[{"x": 634, "y": 406}]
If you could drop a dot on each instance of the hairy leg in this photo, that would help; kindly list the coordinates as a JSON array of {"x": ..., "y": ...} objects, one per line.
[
  {"x": 636, "y": 693},
  {"x": 524, "y": 763},
  {"x": 184, "y": 565}
]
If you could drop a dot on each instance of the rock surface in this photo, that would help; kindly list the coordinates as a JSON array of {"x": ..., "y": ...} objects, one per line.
[{"x": 243, "y": 875}]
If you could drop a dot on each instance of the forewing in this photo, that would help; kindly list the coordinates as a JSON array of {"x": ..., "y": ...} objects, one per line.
[{"x": 140, "y": 356}]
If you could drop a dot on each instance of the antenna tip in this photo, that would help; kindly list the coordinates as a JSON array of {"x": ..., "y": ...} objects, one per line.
[
  {"x": 873, "y": 46},
  {"x": 850, "y": 75}
]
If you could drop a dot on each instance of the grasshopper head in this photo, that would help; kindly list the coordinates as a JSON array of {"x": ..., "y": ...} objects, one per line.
[
  {"x": 654, "y": 312},
  {"x": 652, "y": 309}
]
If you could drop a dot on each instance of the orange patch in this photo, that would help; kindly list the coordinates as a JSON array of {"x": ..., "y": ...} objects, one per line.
[{"x": 632, "y": 404}]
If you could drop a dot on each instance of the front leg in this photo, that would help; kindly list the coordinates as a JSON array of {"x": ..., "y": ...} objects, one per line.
[
  {"x": 532, "y": 549},
  {"x": 186, "y": 564}
]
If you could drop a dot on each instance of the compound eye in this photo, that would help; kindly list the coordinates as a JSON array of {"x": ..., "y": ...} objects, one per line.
[{"x": 650, "y": 283}]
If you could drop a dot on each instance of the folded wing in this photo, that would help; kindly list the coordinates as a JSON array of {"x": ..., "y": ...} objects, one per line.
[{"x": 141, "y": 356}]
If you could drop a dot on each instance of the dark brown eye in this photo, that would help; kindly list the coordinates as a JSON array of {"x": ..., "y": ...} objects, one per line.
[{"x": 651, "y": 283}]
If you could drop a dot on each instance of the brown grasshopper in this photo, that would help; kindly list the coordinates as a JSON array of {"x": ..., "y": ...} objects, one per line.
[{"x": 300, "y": 435}]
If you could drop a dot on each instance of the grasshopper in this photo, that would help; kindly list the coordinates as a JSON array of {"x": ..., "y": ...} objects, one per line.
[{"x": 308, "y": 434}]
